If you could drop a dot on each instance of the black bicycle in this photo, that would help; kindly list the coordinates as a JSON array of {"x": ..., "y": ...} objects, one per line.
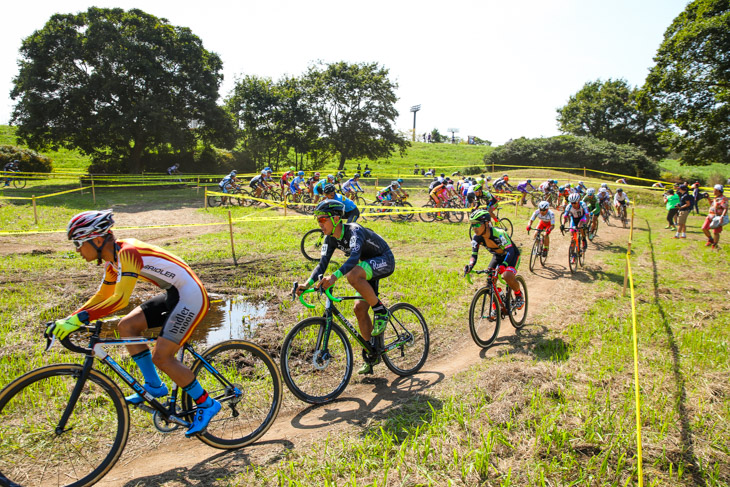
[
  {"x": 311, "y": 244},
  {"x": 538, "y": 250},
  {"x": 316, "y": 356},
  {"x": 67, "y": 424}
]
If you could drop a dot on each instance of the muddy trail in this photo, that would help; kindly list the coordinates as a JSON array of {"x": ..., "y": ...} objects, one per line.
[{"x": 173, "y": 460}]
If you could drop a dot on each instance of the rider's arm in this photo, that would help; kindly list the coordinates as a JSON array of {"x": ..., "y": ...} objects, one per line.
[
  {"x": 106, "y": 289},
  {"x": 476, "y": 240},
  {"x": 130, "y": 263},
  {"x": 328, "y": 248}
]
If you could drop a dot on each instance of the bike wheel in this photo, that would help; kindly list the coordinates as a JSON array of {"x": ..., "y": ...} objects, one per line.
[
  {"x": 543, "y": 258},
  {"x": 93, "y": 439},
  {"x": 536, "y": 253},
  {"x": 315, "y": 374},
  {"x": 517, "y": 316},
  {"x": 483, "y": 327},
  {"x": 582, "y": 256},
  {"x": 404, "y": 217},
  {"x": 307, "y": 207},
  {"x": 427, "y": 216},
  {"x": 454, "y": 216},
  {"x": 312, "y": 244},
  {"x": 251, "y": 397},
  {"x": 572, "y": 257},
  {"x": 506, "y": 224},
  {"x": 214, "y": 201},
  {"x": 19, "y": 183},
  {"x": 408, "y": 328}
]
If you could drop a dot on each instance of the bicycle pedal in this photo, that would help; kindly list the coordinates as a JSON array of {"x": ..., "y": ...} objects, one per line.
[{"x": 145, "y": 408}]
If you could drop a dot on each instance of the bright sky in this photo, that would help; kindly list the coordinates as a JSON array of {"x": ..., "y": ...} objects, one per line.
[{"x": 494, "y": 69}]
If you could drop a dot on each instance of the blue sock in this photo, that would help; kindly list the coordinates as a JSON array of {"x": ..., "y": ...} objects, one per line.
[
  {"x": 144, "y": 362},
  {"x": 196, "y": 391}
]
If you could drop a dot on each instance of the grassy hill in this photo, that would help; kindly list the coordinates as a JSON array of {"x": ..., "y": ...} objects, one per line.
[{"x": 63, "y": 159}]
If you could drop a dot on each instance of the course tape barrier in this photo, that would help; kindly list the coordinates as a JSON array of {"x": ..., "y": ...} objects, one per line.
[{"x": 45, "y": 195}]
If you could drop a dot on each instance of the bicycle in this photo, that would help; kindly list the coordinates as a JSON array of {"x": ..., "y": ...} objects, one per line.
[
  {"x": 67, "y": 424},
  {"x": 300, "y": 202},
  {"x": 395, "y": 215},
  {"x": 18, "y": 182},
  {"x": 501, "y": 223},
  {"x": 484, "y": 320},
  {"x": 316, "y": 356},
  {"x": 622, "y": 216},
  {"x": 576, "y": 251},
  {"x": 607, "y": 211},
  {"x": 214, "y": 200},
  {"x": 537, "y": 249},
  {"x": 593, "y": 230},
  {"x": 311, "y": 245}
]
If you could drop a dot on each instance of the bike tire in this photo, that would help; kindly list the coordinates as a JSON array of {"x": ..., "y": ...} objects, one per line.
[
  {"x": 517, "y": 317},
  {"x": 454, "y": 216},
  {"x": 536, "y": 252},
  {"x": 249, "y": 412},
  {"x": 483, "y": 328},
  {"x": 582, "y": 255},
  {"x": 310, "y": 374},
  {"x": 406, "y": 323},
  {"x": 572, "y": 257},
  {"x": 543, "y": 258},
  {"x": 427, "y": 216},
  {"x": 311, "y": 244},
  {"x": 506, "y": 224},
  {"x": 307, "y": 207},
  {"x": 19, "y": 183},
  {"x": 214, "y": 201},
  {"x": 404, "y": 217},
  {"x": 94, "y": 438}
]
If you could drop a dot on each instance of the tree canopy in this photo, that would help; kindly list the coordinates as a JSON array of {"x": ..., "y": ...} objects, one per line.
[
  {"x": 609, "y": 110},
  {"x": 691, "y": 82},
  {"x": 115, "y": 83},
  {"x": 354, "y": 109}
]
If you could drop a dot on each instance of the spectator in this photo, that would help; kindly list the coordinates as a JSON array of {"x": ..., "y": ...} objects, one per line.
[
  {"x": 671, "y": 200},
  {"x": 696, "y": 196},
  {"x": 686, "y": 201},
  {"x": 718, "y": 210}
]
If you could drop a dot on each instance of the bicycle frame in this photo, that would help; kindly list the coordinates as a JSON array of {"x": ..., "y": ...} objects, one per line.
[{"x": 492, "y": 278}]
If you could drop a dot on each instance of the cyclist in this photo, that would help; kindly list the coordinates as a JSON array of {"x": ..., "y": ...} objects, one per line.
[
  {"x": 522, "y": 188},
  {"x": 441, "y": 178},
  {"x": 12, "y": 166},
  {"x": 294, "y": 186},
  {"x": 178, "y": 311},
  {"x": 563, "y": 194},
  {"x": 385, "y": 195},
  {"x": 311, "y": 182},
  {"x": 621, "y": 181},
  {"x": 620, "y": 199},
  {"x": 577, "y": 213},
  {"x": 440, "y": 194},
  {"x": 594, "y": 208},
  {"x": 352, "y": 213},
  {"x": 284, "y": 181},
  {"x": 258, "y": 183},
  {"x": 318, "y": 188},
  {"x": 398, "y": 190},
  {"x": 174, "y": 169},
  {"x": 604, "y": 198},
  {"x": 580, "y": 188},
  {"x": 228, "y": 183},
  {"x": 505, "y": 254},
  {"x": 608, "y": 190},
  {"x": 502, "y": 184},
  {"x": 352, "y": 186},
  {"x": 547, "y": 223},
  {"x": 370, "y": 260}
]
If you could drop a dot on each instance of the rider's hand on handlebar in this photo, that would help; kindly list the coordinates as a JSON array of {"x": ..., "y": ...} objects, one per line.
[
  {"x": 63, "y": 328},
  {"x": 467, "y": 269},
  {"x": 529, "y": 228},
  {"x": 562, "y": 227},
  {"x": 327, "y": 282}
]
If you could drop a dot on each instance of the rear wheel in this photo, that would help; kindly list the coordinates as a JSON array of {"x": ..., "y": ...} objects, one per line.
[
  {"x": 506, "y": 225},
  {"x": 19, "y": 183},
  {"x": 484, "y": 319},
  {"x": 429, "y": 216},
  {"x": 517, "y": 316},
  {"x": 407, "y": 328},
  {"x": 311, "y": 244},
  {"x": 214, "y": 201}
]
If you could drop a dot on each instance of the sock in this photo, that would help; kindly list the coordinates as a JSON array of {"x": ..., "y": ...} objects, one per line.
[
  {"x": 518, "y": 294},
  {"x": 196, "y": 391},
  {"x": 379, "y": 309},
  {"x": 144, "y": 362}
]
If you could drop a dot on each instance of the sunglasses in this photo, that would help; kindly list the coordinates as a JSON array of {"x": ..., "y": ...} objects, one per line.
[
  {"x": 78, "y": 243},
  {"x": 476, "y": 225},
  {"x": 322, "y": 219}
]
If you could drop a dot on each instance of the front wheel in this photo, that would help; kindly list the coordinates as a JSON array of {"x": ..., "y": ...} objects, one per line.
[
  {"x": 214, "y": 201},
  {"x": 248, "y": 386},
  {"x": 316, "y": 362},
  {"x": 35, "y": 454},
  {"x": 19, "y": 183},
  {"x": 484, "y": 318},
  {"x": 572, "y": 257},
  {"x": 407, "y": 334},
  {"x": 311, "y": 244},
  {"x": 536, "y": 253},
  {"x": 517, "y": 316}
]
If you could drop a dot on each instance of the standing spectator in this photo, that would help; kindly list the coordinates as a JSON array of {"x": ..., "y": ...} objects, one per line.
[
  {"x": 671, "y": 200},
  {"x": 718, "y": 209},
  {"x": 696, "y": 196},
  {"x": 429, "y": 138},
  {"x": 415, "y": 169},
  {"x": 686, "y": 201}
]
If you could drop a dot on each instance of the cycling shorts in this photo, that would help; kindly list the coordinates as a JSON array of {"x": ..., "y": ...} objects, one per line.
[
  {"x": 177, "y": 315},
  {"x": 352, "y": 215},
  {"x": 577, "y": 222},
  {"x": 377, "y": 268},
  {"x": 506, "y": 262},
  {"x": 384, "y": 197},
  {"x": 319, "y": 190},
  {"x": 543, "y": 225}
]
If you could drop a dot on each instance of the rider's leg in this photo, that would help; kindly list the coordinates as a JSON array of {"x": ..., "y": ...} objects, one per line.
[{"x": 357, "y": 278}]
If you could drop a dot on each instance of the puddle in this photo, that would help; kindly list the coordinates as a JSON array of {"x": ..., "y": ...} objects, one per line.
[{"x": 229, "y": 318}]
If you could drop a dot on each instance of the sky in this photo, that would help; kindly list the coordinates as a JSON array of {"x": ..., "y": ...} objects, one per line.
[{"x": 493, "y": 69}]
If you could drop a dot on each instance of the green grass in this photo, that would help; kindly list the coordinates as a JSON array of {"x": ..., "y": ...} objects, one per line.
[
  {"x": 63, "y": 159},
  {"x": 715, "y": 173}
]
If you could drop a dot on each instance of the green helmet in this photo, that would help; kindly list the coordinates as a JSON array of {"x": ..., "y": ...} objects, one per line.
[
  {"x": 480, "y": 215},
  {"x": 330, "y": 208}
]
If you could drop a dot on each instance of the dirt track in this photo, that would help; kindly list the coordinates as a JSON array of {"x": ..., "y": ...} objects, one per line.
[{"x": 177, "y": 461}]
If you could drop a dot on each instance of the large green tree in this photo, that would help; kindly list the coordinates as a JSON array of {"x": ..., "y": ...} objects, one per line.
[
  {"x": 691, "y": 82},
  {"x": 115, "y": 84},
  {"x": 354, "y": 108},
  {"x": 609, "y": 110}
]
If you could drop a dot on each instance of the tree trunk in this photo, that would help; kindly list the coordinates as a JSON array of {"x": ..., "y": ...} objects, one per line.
[
  {"x": 343, "y": 158},
  {"x": 135, "y": 158}
]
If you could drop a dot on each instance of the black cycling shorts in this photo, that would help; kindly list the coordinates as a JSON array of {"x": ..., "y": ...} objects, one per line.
[{"x": 156, "y": 310}]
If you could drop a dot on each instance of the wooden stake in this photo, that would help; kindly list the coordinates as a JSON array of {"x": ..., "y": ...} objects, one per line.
[
  {"x": 197, "y": 188},
  {"x": 233, "y": 250},
  {"x": 35, "y": 211},
  {"x": 93, "y": 191},
  {"x": 205, "y": 200},
  {"x": 584, "y": 171},
  {"x": 628, "y": 252}
]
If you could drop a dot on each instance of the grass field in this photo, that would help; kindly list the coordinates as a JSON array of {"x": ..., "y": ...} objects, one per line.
[{"x": 554, "y": 405}]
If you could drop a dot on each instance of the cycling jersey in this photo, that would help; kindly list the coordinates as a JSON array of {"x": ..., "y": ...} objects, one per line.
[
  {"x": 294, "y": 186},
  {"x": 351, "y": 185},
  {"x": 548, "y": 217},
  {"x": 319, "y": 187},
  {"x": 171, "y": 169},
  {"x": 580, "y": 212},
  {"x": 285, "y": 178},
  {"x": 362, "y": 245},
  {"x": 138, "y": 260},
  {"x": 522, "y": 187},
  {"x": 594, "y": 207},
  {"x": 505, "y": 253},
  {"x": 384, "y": 194},
  {"x": 226, "y": 182},
  {"x": 621, "y": 198},
  {"x": 312, "y": 181},
  {"x": 257, "y": 181},
  {"x": 603, "y": 197}
]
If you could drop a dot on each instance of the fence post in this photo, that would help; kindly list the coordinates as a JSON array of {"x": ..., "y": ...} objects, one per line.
[
  {"x": 197, "y": 188},
  {"x": 628, "y": 253},
  {"x": 492, "y": 167},
  {"x": 584, "y": 171},
  {"x": 205, "y": 198},
  {"x": 35, "y": 212},
  {"x": 93, "y": 190},
  {"x": 233, "y": 250}
]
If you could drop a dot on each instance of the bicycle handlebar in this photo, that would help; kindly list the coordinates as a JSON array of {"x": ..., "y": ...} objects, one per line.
[
  {"x": 66, "y": 342},
  {"x": 311, "y": 290}
]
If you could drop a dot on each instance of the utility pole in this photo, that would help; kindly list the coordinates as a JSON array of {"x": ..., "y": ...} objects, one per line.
[{"x": 415, "y": 109}]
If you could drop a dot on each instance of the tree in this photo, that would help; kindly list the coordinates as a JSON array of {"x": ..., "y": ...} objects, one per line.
[
  {"x": 691, "y": 82},
  {"x": 114, "y": 84},
  {"x": 610, "y": 111},
  {"x": 354, "y": 109}
]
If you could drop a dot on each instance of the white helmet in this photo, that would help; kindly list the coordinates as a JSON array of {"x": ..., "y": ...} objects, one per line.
[
  {"x": 604, "y": 185},
  {"x": 89, "y": 224},
  {"x": 574, "y": 198},
  {"x": 590, "y": 191},
  {"x": 603, "y": 190},
  {"x": 543, "y": 205}
]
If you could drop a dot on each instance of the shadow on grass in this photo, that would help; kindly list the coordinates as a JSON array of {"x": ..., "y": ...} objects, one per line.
[{"x": 687, "y": 443}]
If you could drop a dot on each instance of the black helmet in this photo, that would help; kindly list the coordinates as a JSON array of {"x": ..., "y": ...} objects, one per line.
[
  {"x": 330, "y": 208},
  {"x": 329, "y": 188}
]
